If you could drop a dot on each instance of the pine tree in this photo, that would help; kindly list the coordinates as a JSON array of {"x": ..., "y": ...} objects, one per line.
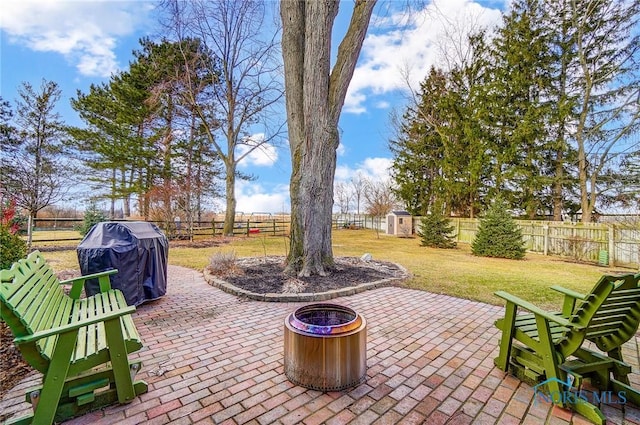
[
  {"x": 34, "y": 169},
  {"x": 518, "y": 109},
  {"x": 418, "y": 150},
  {"x": 466, "y": 165},
  {"x": 498, "y": 235},
  {"x": 435, "y": 231},
  {"x": 92, "y": 216},
  {"x": 441, "y": 153}
]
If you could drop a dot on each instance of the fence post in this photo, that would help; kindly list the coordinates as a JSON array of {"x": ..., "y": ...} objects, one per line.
[
  {"x": 545, "y": 231},
  {"x": 612, "y": 245}
]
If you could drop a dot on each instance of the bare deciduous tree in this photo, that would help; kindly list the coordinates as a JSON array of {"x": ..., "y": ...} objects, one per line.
[
  {"x": 315, "y": 96},
  {"x": 608, "y": 113},
  {"x": 248, "y": 70},
  {"x": 343, "y": 196},
  {"x": 379, "y": 198},
  {"x": 358, "y": 184}
]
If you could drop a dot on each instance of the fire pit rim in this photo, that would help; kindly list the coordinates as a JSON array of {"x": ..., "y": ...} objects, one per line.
[{"x": 296, "y": 321}]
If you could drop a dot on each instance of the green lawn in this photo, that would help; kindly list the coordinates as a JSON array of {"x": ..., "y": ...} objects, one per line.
[{"x": 455, "y": 272}]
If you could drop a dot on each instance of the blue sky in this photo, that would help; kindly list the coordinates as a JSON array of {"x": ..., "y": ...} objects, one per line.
[{"x": 77, "y": 43}]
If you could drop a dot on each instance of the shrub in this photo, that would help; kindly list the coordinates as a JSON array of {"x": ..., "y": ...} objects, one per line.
[
  {"x": 498, "y": 235},
  {"x": 10, "y": 217},
  {"x": 92, "y": 216},
  {"x": 223, "y": 264},
  {"x": 435, "y": 231},
  {"x": 12, "y": 247}
]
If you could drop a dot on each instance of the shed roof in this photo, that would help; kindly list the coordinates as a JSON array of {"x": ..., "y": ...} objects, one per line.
[{"x": 400, "y": 213}]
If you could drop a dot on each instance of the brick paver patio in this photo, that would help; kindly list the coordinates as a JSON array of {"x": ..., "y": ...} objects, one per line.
[{"x": 213, "y": 358}]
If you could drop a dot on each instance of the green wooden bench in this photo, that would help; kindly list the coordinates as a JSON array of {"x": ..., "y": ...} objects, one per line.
[
  {"x": 577, "y": 349},
  {"x": 81, "y": 346}
]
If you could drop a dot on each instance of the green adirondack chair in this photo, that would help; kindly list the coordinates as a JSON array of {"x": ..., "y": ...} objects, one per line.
[
  {"x": 80, "y": 345},
  {"x": 555, "y": 350}
]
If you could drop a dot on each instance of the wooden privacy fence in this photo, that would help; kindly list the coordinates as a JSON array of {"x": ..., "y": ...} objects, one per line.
[{"x": 604, "y": 243}]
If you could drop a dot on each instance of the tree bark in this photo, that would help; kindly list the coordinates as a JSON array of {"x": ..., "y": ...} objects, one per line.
[
  {"x": 314, "y": 99},
  {"x": 230, "y": 196}
]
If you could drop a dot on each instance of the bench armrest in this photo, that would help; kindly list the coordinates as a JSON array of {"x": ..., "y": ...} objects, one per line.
[
  {"x": 77, "y": 282},
  {"x": 569, "y": 292},
  {"x": 570, "y": 297},
  {"x": 536, "y": 310}
]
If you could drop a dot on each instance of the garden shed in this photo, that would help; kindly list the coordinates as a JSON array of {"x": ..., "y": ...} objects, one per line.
[
  {"x": 399, "y": 223},
  {"x": 138, "y": 249}
]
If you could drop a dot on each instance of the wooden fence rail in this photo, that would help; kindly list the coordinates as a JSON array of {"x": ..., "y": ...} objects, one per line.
[{"x": 273, "y": 227}]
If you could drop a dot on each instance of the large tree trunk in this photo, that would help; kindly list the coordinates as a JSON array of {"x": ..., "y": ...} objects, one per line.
[
  {"x": 314, "y": 99},
  {"x": 561, "y": 147},
  {"x": 230, "y": 196},
  {"x": 557, "y": 189}
]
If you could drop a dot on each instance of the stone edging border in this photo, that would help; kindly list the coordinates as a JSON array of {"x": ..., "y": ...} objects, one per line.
[{"x": 302, "y": 297}]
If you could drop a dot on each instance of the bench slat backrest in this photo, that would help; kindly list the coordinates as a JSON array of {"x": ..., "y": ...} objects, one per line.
[
  {"x": 618, "y": 318},
  {"x": 39, "y": 295},
  {"x": 32, "y": 299},
  {"x": 609, "y": 316}
]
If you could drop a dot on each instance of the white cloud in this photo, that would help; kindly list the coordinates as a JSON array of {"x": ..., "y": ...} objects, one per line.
[
  {"x": 397, "y": 54},
  {"x": 253, "y": 197},
  {"x": 263, "y": 154},
  {"x": 375, "y": 169},
  {"x": 84, "y": 32}
]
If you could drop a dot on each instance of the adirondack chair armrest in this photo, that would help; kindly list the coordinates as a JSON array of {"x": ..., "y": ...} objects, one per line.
[
  {"x": 74, "y": 325},
  {"x": 569, "y": 292},
  {"x": 570, "y": 298},
  {"x": 519, "y": 302},
  {"x": 78, "y": 282}
]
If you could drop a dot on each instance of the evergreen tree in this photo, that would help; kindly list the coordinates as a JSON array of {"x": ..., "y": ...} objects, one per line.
[
  {"x": 143, "y": 133},
  {"x": 8, "y": 133},
  {"x": 435, "y": 230},
  {"x": 628, "y": 193},
  {"x": 419, "y": 150},
  {"x": 498, "y": 235},
  {"x": 562, "y": 98},
  {"x": 92, "y": 216},
  {"x": 466, "y": 165},
  {"x": 116, "y": 145},
  {"x": 441, "y": 153},
  {"x": 518, "y": 110},
  {"x": 33, "y": 171}
]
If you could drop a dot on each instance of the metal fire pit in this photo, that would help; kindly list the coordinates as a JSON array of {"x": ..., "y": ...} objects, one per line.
[{"x": 325, "y": 347}]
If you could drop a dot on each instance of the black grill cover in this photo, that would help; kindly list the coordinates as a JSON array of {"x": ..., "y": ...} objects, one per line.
[{"x": 139, "y": 250}]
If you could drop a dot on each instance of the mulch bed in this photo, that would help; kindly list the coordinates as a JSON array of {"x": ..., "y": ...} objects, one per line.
[
  {"x": 13, "y": 368},
  {"x": 264, "y": 275}
]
